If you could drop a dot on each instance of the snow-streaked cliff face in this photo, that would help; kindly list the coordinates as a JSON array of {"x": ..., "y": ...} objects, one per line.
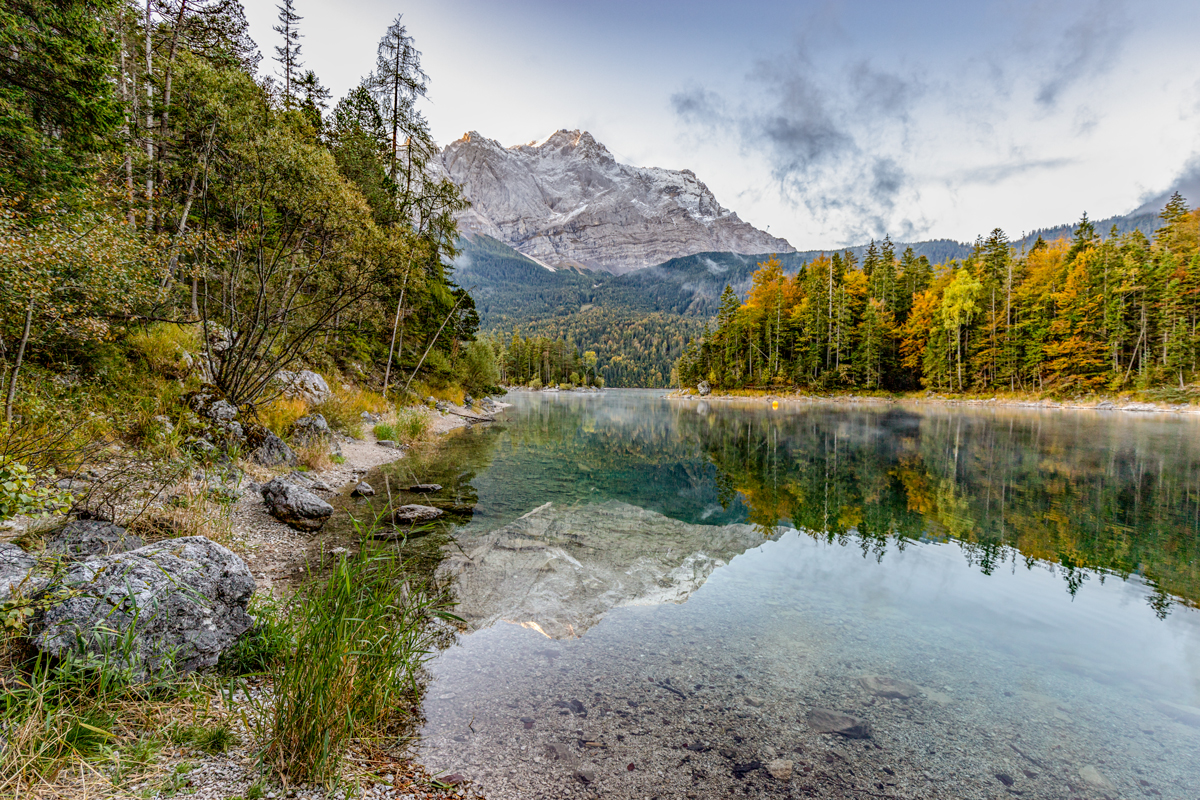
[{"x": 565, "y": 201}]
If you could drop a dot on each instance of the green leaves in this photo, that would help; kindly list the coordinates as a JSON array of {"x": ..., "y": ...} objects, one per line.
[{"x": 26, "y": 492}]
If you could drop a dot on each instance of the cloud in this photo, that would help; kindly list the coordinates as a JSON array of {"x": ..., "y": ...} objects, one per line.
[
  {"x": 997, "y": 173},
  {"x": 1088, "y": 47}
]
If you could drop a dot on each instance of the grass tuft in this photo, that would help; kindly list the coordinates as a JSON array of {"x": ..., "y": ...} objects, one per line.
[
  {"x": 280, "y": 414},
  {"x": 343, "y": 411},
  {"x": 362, "y": 635}
]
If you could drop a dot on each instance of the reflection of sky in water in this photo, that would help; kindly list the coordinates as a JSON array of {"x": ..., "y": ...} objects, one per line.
[{"x": 1073, "y": 676}]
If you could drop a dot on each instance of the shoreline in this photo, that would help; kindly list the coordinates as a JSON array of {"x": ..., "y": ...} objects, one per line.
[{"x": 1106, "y": 404}]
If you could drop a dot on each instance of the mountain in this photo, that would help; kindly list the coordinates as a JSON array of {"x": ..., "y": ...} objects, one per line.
[{"x": 567, "y": 203}]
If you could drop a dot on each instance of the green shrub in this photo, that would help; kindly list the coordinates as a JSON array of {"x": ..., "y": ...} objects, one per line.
[
  {"x": 165, "y": 347},
  {"x": 20, "y": 492},
  {"x": 385, "y": 430}
]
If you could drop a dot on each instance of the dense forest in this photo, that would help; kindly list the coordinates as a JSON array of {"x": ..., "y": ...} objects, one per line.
[
  {"x": 159, "y": 181},
  {"x": 1076, "y": 316}
]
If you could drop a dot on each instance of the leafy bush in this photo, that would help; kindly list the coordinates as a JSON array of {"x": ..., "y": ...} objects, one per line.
[{"x": 20, "y": 492}]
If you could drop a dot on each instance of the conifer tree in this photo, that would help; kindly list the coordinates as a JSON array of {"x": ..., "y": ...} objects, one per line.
[{"x": 288, "y": 53}]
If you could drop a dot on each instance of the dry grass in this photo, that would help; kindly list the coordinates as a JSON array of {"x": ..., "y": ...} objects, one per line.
[
  {"x": 315, "y": 455},
  {"x": 450, "y": 394},
  {"x": 280, "y": 414},
  {"x": 344, "y": 410}
]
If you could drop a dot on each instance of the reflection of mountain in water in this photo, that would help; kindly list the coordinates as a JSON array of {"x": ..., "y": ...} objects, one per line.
[{"x": 560, "y": 569}]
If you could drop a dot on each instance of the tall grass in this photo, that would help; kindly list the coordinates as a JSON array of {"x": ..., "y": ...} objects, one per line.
[
  {"x": 166, "y": 346},
  {"x": 362, "y": 635},
  {"x": 411, "y": 424}
]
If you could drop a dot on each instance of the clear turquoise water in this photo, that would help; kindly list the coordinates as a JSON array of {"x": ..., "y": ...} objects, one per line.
[{"x": 1033, "y": 572}]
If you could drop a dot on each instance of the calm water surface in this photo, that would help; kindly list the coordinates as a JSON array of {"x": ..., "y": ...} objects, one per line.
[{"x": 661, "y": 593}]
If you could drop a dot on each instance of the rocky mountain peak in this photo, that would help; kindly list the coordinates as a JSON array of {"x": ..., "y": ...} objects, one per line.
[{"x": 565, "y": 201}]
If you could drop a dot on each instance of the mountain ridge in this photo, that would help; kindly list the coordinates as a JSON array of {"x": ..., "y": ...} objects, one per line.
[{"x": 565, "y": 201}]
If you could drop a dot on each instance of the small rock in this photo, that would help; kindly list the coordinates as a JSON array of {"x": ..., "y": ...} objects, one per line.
[
  {"x": 296, "y": 506},
  {"x": 387, "y": 443},
  {"x": 824, "y": 720},
  {"x": 728, "y": 752},
  {"x": 370, "y": 418},
  {"x": 221, "y": 411},
  {"x": 560, "y": 752},
  {"x": 273, "y": 452},
  {"x": 1095, "y": 779},
  {"x": 755, "y": 702},
  {"x": 1007, "y": 780},
  {"x": 585, "y": 775},
  {"x": 889, "y": 687},
  {"x": 363, "y": 489},
  {"x": 425, "y": 488},
  {"x": 780, "y": 769},
  {"x": 311, "y": 429},
  {"x": 741, "y": 770}
]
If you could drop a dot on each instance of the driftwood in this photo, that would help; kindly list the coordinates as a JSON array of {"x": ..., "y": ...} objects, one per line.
[{"x": 471, "y": 417}]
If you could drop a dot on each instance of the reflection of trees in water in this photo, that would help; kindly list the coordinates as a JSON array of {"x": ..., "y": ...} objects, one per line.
[{"x": 1085, "y": 495}]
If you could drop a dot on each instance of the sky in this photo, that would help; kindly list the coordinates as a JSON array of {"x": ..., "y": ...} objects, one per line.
[{"x": 824, "y": 122}]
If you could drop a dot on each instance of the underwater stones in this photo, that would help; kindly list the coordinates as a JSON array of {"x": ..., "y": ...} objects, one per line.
[
  {"x": 754, "y": 702},
  {"x": 411, "y": 514},
  {"x": 780, "y": 769},
  {"x": 1188, "y": 715},
  {"x": 425, "y": 488},
  {"x": 890, "y": 688},
  {"x": 1095, "y": 779},
  {"x": 824, "y": 720},
  {"x": 296, "y": 506},
  {"x": 363, "y": 489}
]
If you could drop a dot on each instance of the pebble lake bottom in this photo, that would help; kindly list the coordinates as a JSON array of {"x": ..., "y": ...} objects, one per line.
[{"x": 678, "y": 600}]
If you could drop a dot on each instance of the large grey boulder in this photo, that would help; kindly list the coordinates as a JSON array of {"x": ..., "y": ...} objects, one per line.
[
  {"x": 88, "y": 538},
  {"x": 295, "y": 505},
  {"x": 305, "y": 384},
  {"x": 703, "y": 388},
  {"x": 16, "y": 568},
  {"x": 178, "y": 603},
  {"x": 273, "y": 452}
]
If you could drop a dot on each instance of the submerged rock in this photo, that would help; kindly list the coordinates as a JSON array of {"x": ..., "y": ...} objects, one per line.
[
  {"x": 425, "y": 488},
  {"x": 410, "y": 514},
  {"x": 824, "y": 720},
  {"x": 890, "y": 688},
  {"x": 179, "y": 603},
  {"x": 295, "y": 505},
  {"x": 780, "y": 769},
  {"x": 86, "y": 538},
  {"x": 363, "y": 489},
  {"x": 1096, "y": 779}
]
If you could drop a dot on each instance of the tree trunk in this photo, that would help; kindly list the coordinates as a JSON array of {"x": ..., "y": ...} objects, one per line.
[
  {"x": 12, "y": 377},
  {"x": 149, "y": 124}
]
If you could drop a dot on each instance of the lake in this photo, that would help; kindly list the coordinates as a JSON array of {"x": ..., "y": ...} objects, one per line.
[{"x": 673, "y": 598}]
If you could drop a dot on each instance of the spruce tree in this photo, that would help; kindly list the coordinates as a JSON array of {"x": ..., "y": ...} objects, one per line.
[{"x": 288, "y": 54}]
